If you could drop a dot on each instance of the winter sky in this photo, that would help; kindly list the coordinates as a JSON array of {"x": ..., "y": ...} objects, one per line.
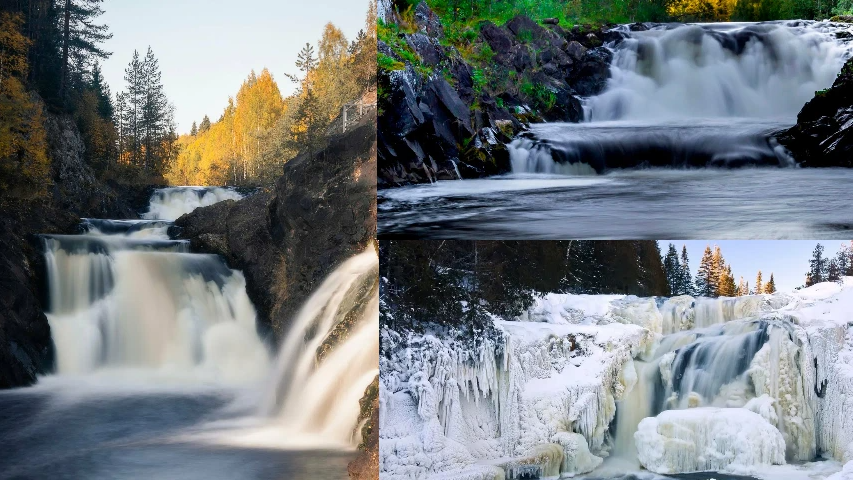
[
  {"x": 787, "y": 259},
  {"x": 206, "y": 48}
]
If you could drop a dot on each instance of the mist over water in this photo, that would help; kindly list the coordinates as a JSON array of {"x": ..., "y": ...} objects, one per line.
[{"x": 161, "y": 372}]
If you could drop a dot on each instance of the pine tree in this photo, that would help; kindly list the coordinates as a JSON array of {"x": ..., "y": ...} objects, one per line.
[
  {"x": 843, "y": 259},
  {"x": 726, "y": 283},
  {"x": 80, "y": 38},
  {"x": 132, "y": 113},
  {"x": 205, "y": 125},
  {"x": 672, "y": 270},
  {"x": 686, "y": 284},
  {"x": 704, "y": 286},
  {"x": 833, "y": 272},
  {"x": 102, "y": 91},
  {"x": 770, "y": 287},
  {"x": 194, "y": 130},
  {"x": 817, "y": 267},
  {"x": 718, "y": 266},
  {"x": 742, "y": 288},
  {"x": 759, "y": 285}
]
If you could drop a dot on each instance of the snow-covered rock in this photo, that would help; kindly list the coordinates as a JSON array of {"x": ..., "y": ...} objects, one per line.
[
  {"x": 577, "y": 458},
  {"x": 708, "y": 439}
]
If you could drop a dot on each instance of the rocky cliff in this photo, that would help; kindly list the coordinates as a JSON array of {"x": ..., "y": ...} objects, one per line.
[
  {"x": 823, "y": 135},
  {"x": 446, "y": 112}
]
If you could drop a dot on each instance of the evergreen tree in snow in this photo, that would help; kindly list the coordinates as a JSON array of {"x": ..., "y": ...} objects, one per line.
[
  {"x": 833, "y": 274},
  {"x": 844, "y": 259},
  {"x": 742, "y": 288},
  {"x": 770, "y": 286},
  {"x": 726, "y": 286},
  {"x": 704, "y": 286},
  {"x": 817, "y": 267},
  {"x": 672, "y": 270},
  {"x": 718, "y": 268},
  {"x": 759, "y": 285},
  {"x": 686, "y": 284}
]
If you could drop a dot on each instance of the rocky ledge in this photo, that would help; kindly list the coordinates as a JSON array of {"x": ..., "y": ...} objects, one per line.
[
  {"x": 823, "y": 135},
  {"x": 447, "y": 112}
]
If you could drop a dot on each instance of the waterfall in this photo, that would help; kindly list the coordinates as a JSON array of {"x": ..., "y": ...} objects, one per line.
[
  {"x": 123, "y": 295},
  {"x": 321, "y": 396},
  {"x": 765, "y": 70},
  {"x": 689, "y": 96},
  {"x": 171, "y": 203}
]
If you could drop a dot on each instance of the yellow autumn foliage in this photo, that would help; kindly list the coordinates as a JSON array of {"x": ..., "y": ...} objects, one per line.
[{"x": 24, "y": 164}]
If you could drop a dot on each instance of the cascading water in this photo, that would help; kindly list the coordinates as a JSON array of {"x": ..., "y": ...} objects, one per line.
[
  {"x": 741, "y": 364},
  {"x": 693, "y": 96},
  {"x": 122, "y": 295},
  {"x": 320, "y": 397},
  {"x": 171, "y": 203}
]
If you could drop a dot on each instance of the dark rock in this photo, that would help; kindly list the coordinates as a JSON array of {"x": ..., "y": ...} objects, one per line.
[
  {"x": 521, "y": 59},
  {"x": 823, "y": 135},
  {"x": 498, "y": 38},
  {"x": 592, "y": 72},
  {"x": 524, "y": 28},
  {"x": 428, "y": 21},
  {"x": 593, "y": 40},
  {"x": 575, "y": 50},
  {"x": 427, "y": 49},
  {"x": 551, "y": 21}
]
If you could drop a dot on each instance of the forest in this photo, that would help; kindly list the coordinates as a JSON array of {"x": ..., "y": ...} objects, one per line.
[
  {"x": 459, "y": 283},
  {"x": 461, "y": 16},
  {"x": 259, "y": 130},
  {"x": 50, "y": 55}
]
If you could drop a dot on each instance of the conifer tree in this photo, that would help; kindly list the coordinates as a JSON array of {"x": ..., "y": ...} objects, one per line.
[
  {"x": 817, "y": 267},
  {"x": 704, "y": 286},
  {"x": 672, "y": 270},
  {"x": 759, "y": 285},
  {"x": 718, "y": 266},
  {"x": 686, "y": 287},
  {"x": 80, "y": 37},
  {"x": 770, "y": 287},
  {"x": 726, "y": 283},
  {"x": 833, "y": 273},
  {"x": 205, "y": 124},
  {"x": 194, "y": 130},
  {"x": 742, "y": 288}
]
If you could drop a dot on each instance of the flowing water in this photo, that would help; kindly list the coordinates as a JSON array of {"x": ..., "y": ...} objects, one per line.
[
  {"x": 161, "y": 372},
  {"x": 687, "y": 106}
]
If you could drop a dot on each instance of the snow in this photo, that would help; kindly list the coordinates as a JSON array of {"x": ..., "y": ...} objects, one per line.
[
  {"x": 732, "y": 440},
  {"x": 540, "y": 396}
]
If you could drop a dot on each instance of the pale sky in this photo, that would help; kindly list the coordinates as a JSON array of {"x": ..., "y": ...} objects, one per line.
[
  {"x": 787, "y": 259},
  {"x": 207, "y": 48}
]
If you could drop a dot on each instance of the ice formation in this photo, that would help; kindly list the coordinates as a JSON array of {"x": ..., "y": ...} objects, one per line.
[
  {"x": 681, "y": 384},
  {"x": 708, "y": 439}
]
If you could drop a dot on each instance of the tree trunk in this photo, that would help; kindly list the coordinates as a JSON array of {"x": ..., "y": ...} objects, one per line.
[{"x": 65, "y": 38}]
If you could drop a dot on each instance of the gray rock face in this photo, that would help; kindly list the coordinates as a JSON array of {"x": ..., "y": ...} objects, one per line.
[{"x": 823, "y": 135}]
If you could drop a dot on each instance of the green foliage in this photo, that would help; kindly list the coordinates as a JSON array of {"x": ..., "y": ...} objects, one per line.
[
  {"x": 391, "y": 34},
  {"x": 389, "y": 64},
  {"x": 541, "y": 96}
]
